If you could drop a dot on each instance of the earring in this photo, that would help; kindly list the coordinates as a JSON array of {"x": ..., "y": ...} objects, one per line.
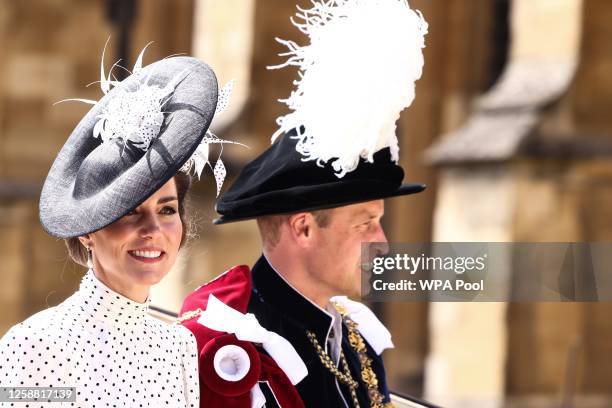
[{"x": 89, "y": 260}]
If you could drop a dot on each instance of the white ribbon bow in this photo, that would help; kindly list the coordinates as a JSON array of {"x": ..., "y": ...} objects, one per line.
[
  {"x": 372, "y": 329},
  {"x": 220, "y": 317}
]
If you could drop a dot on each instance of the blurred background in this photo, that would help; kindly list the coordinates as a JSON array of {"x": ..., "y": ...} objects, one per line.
[{"x": 511, "y": 129}]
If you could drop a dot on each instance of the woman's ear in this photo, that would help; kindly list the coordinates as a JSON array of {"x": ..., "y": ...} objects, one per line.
[{"x": 85, "y": 240}]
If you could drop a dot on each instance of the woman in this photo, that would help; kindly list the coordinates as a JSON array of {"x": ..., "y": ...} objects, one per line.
[{"x": 116, "y": 192}]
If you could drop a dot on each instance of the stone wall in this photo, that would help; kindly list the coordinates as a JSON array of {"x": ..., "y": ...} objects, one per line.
[{"x": 51, "y": 50}]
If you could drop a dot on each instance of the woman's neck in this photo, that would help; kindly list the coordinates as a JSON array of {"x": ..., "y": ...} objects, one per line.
[{"x": 137, "y": 293}]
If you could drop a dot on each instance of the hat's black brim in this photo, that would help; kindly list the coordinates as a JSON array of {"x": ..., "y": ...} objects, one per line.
[{"x": 403, "y": 189}]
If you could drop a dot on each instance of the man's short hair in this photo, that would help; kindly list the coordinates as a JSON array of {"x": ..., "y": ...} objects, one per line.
[{"x": 270, "y": 226}]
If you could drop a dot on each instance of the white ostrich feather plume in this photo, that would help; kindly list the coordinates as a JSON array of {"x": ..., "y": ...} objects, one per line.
[{"x": 355, "y": 77}]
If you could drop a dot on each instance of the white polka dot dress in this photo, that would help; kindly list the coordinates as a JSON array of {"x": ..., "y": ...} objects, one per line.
[{"x": 106, "y": 346}]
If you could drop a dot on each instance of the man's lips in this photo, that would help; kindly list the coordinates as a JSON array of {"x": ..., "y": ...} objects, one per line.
[{"x": 147, "y": 255}]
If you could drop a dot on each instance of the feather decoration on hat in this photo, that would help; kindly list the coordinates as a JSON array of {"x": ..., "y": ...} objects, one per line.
[
  {"x": 137, "y": 116},
  {"x": 199, "y": 159},
  {"x": 355, "y": 77},
  {"x": 132, "y": 115}
]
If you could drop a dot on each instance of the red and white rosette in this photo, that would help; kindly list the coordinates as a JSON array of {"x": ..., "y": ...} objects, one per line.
[
  {"x": 231, "y": 359},
  {"x": 230, "y": 367}
]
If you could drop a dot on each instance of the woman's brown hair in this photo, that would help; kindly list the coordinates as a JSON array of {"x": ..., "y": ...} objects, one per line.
[{"x": 78, "y": 253}]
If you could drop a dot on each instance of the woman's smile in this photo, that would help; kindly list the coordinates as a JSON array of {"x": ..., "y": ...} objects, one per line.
[{"x": 147, "y": 255}]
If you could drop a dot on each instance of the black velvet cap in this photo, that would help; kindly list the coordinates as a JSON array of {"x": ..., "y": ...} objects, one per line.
[
  {"x": 279, "y": 181},
  {"x": 92, "y": 184}
]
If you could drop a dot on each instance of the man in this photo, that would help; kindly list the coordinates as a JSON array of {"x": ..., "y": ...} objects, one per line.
[
  {"x": 311, "y": 255},
  {"x": 317, "y": 194},
  {"x": 312, "y": 226}
]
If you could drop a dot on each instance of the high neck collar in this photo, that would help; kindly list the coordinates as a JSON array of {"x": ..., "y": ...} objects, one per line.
[
  {"x": 278, "y": 292},
  {"x": 104, "y": 304}
]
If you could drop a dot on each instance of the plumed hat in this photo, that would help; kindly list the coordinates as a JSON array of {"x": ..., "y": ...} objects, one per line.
[
  {"x": 279, "y": 181},
  {"x": 137, "y": 137},
  {"x": 338, "y": 145}
]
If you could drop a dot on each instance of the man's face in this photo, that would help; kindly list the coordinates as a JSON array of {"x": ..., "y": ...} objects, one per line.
[{"x": 336, "y": 253}]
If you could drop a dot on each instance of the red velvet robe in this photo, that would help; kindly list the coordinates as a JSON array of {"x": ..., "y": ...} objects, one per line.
[{"x": 234, "y": 289}]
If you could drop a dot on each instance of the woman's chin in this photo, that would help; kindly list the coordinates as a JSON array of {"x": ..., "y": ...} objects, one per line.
[{"x": 149, "y": 276}]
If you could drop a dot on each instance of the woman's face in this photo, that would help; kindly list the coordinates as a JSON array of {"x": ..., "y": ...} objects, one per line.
[{"x": 138, "y": 250}]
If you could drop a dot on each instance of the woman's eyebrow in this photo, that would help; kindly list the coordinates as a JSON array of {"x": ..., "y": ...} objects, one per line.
[{"x": 166, "y": 199}]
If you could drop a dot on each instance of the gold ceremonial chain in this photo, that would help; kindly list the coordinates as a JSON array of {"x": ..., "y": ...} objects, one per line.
[
  {"x": 188, "y": 315},
  {"x": 367, "y": 373},
  {"x": 345, "y": 378}
]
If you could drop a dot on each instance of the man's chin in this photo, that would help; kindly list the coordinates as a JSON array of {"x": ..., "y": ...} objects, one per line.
[{"x": 354, "y": 292}]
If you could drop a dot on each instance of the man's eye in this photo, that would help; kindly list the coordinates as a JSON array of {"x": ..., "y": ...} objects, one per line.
[
  {"x": 133, "y": 212},
  {"x": 168, "y": 211}
]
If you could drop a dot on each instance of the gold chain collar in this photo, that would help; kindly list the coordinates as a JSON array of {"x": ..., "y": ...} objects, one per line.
[
  {"x": 367, "y": 373},
  {"x": 344, "y": 377}
]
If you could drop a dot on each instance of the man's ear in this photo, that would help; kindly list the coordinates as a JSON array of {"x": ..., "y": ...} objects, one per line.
[{"x": 301, "y": 228}]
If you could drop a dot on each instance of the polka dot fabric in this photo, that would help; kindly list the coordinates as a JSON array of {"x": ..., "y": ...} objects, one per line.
[
  {"x": 134, "y": 116},
  {"x": 106, "y": 346}
]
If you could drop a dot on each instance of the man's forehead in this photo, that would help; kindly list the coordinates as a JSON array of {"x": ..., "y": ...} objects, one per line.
[{"x": 373, "y": 208}]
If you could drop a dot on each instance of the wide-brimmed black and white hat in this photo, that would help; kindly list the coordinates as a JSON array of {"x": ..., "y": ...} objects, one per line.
[
  {"x": 338, "y": 144},
  {"x": 143, "y": 131}
]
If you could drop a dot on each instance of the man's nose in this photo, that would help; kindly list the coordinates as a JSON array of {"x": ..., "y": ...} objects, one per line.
[{"x": 381, "y": 245}]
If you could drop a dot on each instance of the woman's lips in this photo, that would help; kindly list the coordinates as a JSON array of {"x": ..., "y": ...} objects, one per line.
[{"x": 147, "y": 255}]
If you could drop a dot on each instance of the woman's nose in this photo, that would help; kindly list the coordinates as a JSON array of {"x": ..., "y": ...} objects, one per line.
[{"x": 149, "y": 225}]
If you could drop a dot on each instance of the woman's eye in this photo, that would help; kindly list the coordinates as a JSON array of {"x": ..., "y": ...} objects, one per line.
[{"x": 168, "y": 210}]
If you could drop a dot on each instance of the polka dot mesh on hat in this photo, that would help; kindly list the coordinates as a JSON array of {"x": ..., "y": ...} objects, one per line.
[
  {"x": 106, "y": 346},
  {"x": 134, "y": 116},
  {"x": 199, "y": 160}
]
